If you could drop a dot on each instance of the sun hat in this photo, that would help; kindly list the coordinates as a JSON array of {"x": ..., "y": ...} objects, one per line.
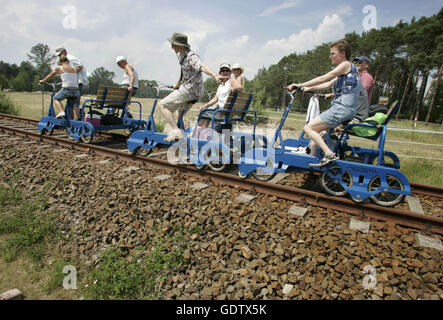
[
  {"x": 225, "y": 65},
  {"x": 59, "y": 50},
  {"x": 120, "y": 58},
  {"x": 238, "y": 66},
  {"x": 179, "y": 39},
  {"x": 362, "y": 58}
]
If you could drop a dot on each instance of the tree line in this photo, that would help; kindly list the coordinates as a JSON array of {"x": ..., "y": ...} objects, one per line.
[{"x": 403, "y": 57}]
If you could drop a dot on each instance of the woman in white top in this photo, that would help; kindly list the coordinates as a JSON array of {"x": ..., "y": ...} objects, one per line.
[
  {"x": 226, "y": 86},
  {"x": 69, "y": 88},
  {"x": 238, "y": 70}
]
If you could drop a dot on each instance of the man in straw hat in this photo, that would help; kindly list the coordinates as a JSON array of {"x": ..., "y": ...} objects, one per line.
[{"x": 189, "y": 87}]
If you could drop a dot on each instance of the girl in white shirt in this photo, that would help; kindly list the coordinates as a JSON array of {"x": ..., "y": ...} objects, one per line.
[
  {"x": 69, "y": 88},
  {"x": 227, "y": 86}
]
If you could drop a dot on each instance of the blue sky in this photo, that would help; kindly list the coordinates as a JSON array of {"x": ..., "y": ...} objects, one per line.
[{"x": 254, "y": 33}]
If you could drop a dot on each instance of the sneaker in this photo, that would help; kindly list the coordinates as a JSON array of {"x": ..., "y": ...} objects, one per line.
[
  {"x": 325, "y": 161},
  {"x": 61, "y": 115},
  {"x": 175, "y": 134}
]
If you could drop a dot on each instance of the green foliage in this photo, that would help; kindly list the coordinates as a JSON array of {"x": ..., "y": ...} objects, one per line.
[
  {"x": 100, "y": 76},
  {"x": 6, "y": 105},
  {"x": 136, "y": 276},
  {"x": 26, "y": 225},
  {"x": 395, "y": 52},
  {"x": 42, "y": 58},
  {"x": 145, "y": 90}
]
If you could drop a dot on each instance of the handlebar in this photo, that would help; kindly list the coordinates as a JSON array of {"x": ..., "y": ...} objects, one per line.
[
  {"x": 300, "y": 89},
  {"x": 53, "y": 85},
  {"x": 159, "y": 87}
]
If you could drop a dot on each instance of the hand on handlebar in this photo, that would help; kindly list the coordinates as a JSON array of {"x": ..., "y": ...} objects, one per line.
[{"x": 295, "y": 86}]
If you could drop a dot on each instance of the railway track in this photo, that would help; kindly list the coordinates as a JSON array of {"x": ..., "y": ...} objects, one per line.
[{"x": 27, "y": 128}]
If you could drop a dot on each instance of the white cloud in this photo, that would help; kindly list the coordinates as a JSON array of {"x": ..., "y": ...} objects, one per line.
[
  {"x": 284, "y": 5},
  {"x": 331, "y": 28}
]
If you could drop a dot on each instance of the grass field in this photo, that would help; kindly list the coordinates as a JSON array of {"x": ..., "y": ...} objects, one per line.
[{"x": 421, "y": 154}]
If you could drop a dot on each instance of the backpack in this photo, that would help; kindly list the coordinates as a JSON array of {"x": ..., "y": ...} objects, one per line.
[
  {"x": 377, "y": 119},
  {"x": 375, "y": 108}
]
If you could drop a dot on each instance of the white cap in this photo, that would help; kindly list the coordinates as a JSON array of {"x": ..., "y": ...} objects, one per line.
[
  {"x": 120, "y": 58},
  {"x": 225, "y": 65}
]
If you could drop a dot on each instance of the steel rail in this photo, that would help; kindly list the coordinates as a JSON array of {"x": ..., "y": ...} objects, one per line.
[{"x": 303, "y": 197}]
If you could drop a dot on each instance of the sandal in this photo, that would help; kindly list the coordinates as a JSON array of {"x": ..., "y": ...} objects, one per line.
[{"x": 325, "y": 161}]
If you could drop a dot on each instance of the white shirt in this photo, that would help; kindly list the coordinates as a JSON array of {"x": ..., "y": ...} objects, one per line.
[
  {"x": 127, "y": 79},
  {"x": 223, "y": 93},
  {"x": 82, "y": 75}
]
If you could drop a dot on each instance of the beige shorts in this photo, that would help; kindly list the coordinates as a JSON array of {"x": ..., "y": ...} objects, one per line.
[{"x": 178, "y": 100}]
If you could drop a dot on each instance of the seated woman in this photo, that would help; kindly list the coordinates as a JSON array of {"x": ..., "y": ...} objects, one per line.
[
  {"x": 226, "y": 86},
  {"x": 345, "y": 80},
  {"x": 69, "y": 88},
  {"x": 238, "y": 70}
]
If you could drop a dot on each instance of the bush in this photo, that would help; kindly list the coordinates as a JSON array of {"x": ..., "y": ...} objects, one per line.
[{"x": 6, "y": 105}]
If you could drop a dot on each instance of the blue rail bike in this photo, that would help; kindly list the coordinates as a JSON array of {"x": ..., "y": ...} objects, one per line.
[
  {"x": 144, "y": 140},
  {"x": 49, "y": 122},
  {"x": 108, "y": 98},
  {"x": 360, "y": 173},
  {"x": 114, "y": 102},
  {"x": 217, "y": 145}
]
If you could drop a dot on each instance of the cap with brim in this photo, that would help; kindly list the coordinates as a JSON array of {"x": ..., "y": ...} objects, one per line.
[
  {"x": 238, "y": 66},
  {"x": 179, "y": 39},
  {"x": 362, "y": 58},
  {"x": 120, "y": 58},
  {"x": 59, "y": 50},
  {"x": 224, "y": 65}
]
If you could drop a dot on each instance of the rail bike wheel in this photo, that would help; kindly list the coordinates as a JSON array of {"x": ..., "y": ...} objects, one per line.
[
  {"x": 216, "y": 164},
  {"x": 386, "y": 198},
  {"x": 265, "y": 175},
  {"x": 47, "y": 132},
  {"x": 69, "y": 134},
  {"x": 142, "y": 151},
  {"x": 242, "y": 176},
  {"x": 332, "y": 185},
  {"x": 86, "y": 135}
]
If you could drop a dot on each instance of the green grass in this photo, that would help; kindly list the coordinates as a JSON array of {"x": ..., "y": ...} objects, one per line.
[
  {"x": 7, "y": 106},
  {"x": 120, "y": 275},
  {"x": 423, "y": 171},
  {"x": 27, "y": 226}
]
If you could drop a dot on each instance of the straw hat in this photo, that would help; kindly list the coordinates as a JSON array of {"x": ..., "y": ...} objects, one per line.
[{"x": 238, "y": 66}]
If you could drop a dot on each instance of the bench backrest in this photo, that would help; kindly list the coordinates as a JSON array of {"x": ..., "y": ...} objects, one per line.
[
  {"x": 237, "y": 101},
  {"x": 112, "y": 96},
  {"x": 392, "y": 110}
]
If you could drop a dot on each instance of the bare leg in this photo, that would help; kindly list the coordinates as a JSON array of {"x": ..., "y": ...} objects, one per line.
[
  {"x": 59, "y": 105},
  {"x": 312, "y": 129},
  {"x": 168, "y": 116},
  {"x": 76, "y": 112}
]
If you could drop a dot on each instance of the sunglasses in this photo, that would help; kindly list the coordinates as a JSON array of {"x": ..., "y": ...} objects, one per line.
[{"x": 225, "y": 70}]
